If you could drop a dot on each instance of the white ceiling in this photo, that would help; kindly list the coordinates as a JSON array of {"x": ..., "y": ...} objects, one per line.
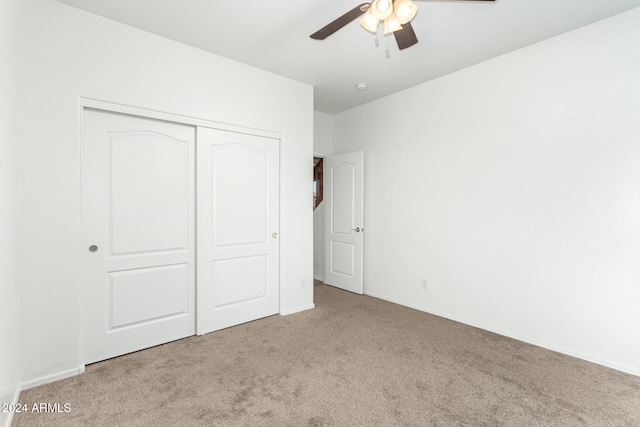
[{"x": 274, "y": 36}]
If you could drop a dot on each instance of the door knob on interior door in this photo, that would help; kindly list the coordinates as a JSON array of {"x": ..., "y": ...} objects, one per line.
[
  {"x": 93, "y": 248},
  {"x": 274, "y": 235},
  {"x": 357, "y": 229}
]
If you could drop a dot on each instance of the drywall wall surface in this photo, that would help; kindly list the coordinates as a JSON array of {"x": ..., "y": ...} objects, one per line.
[
  {"x": 322, "y": 134},
  {"x": 70, "y": 54},
  {"x": 10, "y": 208},
  {"x": 513, "y": 187},
  {"x": 318, "y": 242},
  {"x": 322, "y": 147}
]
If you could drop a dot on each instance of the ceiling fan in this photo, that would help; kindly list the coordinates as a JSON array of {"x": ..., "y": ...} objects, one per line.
[{"x": 395, "y": 14}]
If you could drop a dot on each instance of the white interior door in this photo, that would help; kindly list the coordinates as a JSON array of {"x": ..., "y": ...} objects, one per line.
[
  {"x": 238, "y": 227},
  {"x": 138, "y": 209},
  {"x": 343, "y": 196}
]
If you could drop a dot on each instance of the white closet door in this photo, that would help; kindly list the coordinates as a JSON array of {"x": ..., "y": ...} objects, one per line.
[
  {"x": 139, "y": 251},
  {"x": 238, "y": 224}
]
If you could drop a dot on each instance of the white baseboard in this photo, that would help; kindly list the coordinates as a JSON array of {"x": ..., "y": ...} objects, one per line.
[
  {"x": 560, "y": 349},
  {"x": 297, "y": 310},
  {"x": 396, "y": 301},
  {"x": 51, "y": 378},
  {"x": 14, "y": 401}
]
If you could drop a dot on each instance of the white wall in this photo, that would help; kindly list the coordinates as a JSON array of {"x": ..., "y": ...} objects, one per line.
[
  {"x": 10, "y": 207},
  {"x": 67, "y": 54},
  {"x": 318, "y": 242},
  {"x": 322, "y": 134},
  {"x": 513, "y": 186},
  {"x": 322, "y": 147}
]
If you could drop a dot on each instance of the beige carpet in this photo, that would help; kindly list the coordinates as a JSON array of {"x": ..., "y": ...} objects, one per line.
[{"x": 352, "y": 361}]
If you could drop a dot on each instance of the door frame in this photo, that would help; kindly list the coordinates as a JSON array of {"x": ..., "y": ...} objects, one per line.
[{"x": 117, "y": 108}]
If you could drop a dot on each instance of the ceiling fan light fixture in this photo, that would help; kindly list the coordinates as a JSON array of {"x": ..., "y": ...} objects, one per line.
[
  {"x": 381, "y": 9},
  {"x": 405, "y": 10},
  {"x": 391, "y": 24},
  {"x": 369, "y": 22}
]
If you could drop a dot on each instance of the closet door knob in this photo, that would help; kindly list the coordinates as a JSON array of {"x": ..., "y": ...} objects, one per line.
[
  {"x": 274, "y": 235},
  {"x": 93, "y": 248}
]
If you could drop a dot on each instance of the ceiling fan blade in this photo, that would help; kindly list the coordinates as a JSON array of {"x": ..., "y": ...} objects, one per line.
[
  {"x": 405, "y": 37},
  {"x": 335, "y": 25}
]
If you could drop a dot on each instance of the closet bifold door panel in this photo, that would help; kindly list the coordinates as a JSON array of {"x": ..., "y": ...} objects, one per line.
[
  {"x": 138, "y": 201},
  {"x": 238, "y": 215}
]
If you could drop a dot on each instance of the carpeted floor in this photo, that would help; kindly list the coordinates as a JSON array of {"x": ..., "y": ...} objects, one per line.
[{"x": 352, "y": 361}]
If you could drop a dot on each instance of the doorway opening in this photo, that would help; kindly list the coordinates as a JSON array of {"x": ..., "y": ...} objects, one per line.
[
  {"x": 317, "y": 182},
  {"x": 318, "y": 220}
]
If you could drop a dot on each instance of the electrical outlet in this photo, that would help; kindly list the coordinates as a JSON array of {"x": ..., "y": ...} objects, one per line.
[{"x": 425, "y": 285}]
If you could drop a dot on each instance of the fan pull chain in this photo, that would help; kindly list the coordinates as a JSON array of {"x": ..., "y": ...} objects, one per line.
[
  {"x": 388, "y": 52},
  {"x": 377, "y": 41}
]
